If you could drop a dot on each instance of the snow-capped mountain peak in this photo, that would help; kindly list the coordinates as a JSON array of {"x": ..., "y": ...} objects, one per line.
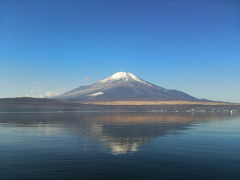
[
  {"x": 124, "y": 76},
  {"x": 123, "y": 86}
]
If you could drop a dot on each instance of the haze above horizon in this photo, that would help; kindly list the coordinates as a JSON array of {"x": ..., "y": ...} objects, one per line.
[{"x": 49, "y": 47}]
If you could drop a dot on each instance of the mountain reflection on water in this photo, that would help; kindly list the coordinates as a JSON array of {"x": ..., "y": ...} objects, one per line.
[{"x": 121, "y": 132}]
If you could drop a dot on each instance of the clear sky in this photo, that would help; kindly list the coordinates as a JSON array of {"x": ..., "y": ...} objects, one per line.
[{"x": 49, "y": 46}]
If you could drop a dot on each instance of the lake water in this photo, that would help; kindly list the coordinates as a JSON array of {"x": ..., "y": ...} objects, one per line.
[{"x": 75, "y": 145}]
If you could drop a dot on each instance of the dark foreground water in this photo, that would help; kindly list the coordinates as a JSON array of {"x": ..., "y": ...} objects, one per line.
[{"x": 119, "y": 146}]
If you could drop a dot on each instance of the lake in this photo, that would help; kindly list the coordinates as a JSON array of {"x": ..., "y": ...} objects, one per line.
[{"x": 78, "y": 145}]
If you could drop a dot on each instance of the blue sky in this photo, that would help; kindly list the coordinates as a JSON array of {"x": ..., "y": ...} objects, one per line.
[{"x": 47, "y": 47}]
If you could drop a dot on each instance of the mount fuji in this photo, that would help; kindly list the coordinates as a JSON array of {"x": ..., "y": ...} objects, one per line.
[{"x": 124, "y": 86}]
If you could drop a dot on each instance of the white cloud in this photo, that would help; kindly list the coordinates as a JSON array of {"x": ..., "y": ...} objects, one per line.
[
  {"x": 39, "y": 93},
  {"x": 48, "y": 94},
  {"x": 51, "y": 93}
]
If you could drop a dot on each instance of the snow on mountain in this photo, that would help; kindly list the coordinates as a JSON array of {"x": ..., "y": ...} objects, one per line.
[
  {"x": 96, "y": 94},
  {"x": 124, "y": 76},
  {"x": 123, "y": 86}
]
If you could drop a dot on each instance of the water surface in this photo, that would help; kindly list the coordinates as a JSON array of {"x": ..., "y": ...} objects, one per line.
[{"x": 78, "y": 145}]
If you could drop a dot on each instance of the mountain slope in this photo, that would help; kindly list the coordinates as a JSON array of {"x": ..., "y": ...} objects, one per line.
[{"x": 124, "y": 86}]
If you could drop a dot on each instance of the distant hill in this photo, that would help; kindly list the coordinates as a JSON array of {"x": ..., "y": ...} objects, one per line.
[
  {"x": 26, "y": 104},
  {"x": 124, "y": 86}
]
